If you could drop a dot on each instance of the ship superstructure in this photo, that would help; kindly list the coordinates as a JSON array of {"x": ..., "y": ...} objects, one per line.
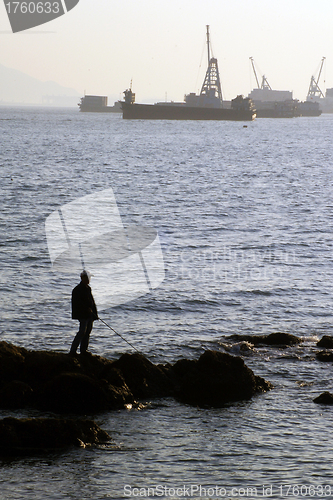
[{"x": 98, "y": 104}]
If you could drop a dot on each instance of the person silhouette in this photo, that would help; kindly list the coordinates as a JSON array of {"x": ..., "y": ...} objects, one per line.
[{"x": 84, "y": 309}]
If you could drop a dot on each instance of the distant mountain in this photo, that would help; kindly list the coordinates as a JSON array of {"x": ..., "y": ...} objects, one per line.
[{"x": 18, "y": 88}]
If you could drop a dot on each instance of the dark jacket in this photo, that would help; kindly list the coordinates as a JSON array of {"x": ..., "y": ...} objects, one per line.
[{"x": 83, "y": 304}]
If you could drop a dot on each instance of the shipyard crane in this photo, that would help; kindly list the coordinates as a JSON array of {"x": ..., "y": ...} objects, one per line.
[
  {"x": 264, "y": 81},
  {"x": 211, "y": 86},
  {"x": 314, "y": 89}
]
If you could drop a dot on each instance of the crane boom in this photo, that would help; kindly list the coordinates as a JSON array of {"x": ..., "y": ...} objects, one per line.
[
  {"x": 314, "y": 89},
  {"x": 321, "y": 67},
  {"x": 254, "y": 71},
  {"x": 264, "y": 81}
]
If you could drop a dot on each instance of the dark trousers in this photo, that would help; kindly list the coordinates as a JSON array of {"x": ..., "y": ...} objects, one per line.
[{"x": 82, "y": 336}]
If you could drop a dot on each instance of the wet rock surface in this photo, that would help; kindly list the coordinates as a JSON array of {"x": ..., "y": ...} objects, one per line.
[
  {"x": 326, "y": 342},
  {"x": 39, "y": 434},
  {"x": 58, "y": 382},
  {"x": 325, "y": 356},
  {"x": 276, "y": 339},
  {"x": 326, "y": 398},
  {"x": 215, "y": 379}
]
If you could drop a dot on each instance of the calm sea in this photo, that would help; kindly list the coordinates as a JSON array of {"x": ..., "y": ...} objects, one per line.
[{"x": 244, "y": 215}]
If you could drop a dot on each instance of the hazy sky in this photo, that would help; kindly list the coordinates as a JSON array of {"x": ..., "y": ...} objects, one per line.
[{"x": 100, "y": 45}]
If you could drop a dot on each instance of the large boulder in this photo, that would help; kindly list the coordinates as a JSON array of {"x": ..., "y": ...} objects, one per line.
[
  {"x": 79, "y": 393},
  {"x": 215, "y": 379},
  {"x": 326, "y": 398},
  {"x": 326, "y": 342},
  {"x": 276, "y": 339},
  {"x": 11, "y": 361},
  {"x": 15, "y": 394},
  {"x": 59, "y": 382},
  {"x": 31, "y": 434},
  {"x": 143, "y": 377},
  {"x": 325, "y": 356}
]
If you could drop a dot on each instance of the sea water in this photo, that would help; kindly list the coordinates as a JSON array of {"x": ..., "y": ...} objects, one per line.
[{"x": 244, "y": 215}]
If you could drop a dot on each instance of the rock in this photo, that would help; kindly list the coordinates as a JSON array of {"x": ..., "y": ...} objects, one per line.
[
  {"x": 15, "y": 394},
  {"x": 143, "y": 377},
  {"x": 283, "y": 339},
  {"x": 326, "y": 398},
  {"x": 277, "y": 338},
  {"x": 82, "y": 384},
  {"x": 326, "y": 341},
  {"x": 11, "y": 360},
  {"x": 29, "y": 435},
  {"x": 215, "y": 379},
  {"x": 58, "y": 382},
  {"x": 79, "y": 393},
  {"x": 324, "y": 356}
]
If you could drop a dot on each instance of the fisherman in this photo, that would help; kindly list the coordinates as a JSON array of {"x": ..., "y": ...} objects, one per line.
[{"x": 84, "y": 309}]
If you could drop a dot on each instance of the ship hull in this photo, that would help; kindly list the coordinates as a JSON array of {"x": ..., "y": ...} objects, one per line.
[
  {"x": 283, "y": 110},
  {"x": 273, "y": 113},
  {"x": 309, "y": 109},
  {"x": 105, "y": 109},
  {"x": 182, "y": 112}
]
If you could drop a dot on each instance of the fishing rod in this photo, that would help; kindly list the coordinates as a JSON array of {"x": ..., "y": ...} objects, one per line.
[{"x": 119, "y": 335}]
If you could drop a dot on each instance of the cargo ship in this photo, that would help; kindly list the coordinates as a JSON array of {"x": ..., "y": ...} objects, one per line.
[
  {"x": 208, "y": 105},
  {"x": 98, "y": 104},
  {"x": 271, "y": 103}
]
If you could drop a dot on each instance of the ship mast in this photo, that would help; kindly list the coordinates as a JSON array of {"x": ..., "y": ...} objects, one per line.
[
  {"x": 211, "y": 86},
  {"x": 314, "y": 89},
  {"x": 208, "y": 43}
]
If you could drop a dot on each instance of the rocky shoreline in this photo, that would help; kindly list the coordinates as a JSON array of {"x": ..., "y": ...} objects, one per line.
[
  {"x": 88, "y": 384},
  {"x": 57, "y": 382},
  {"x": 81, "y": 384}
]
